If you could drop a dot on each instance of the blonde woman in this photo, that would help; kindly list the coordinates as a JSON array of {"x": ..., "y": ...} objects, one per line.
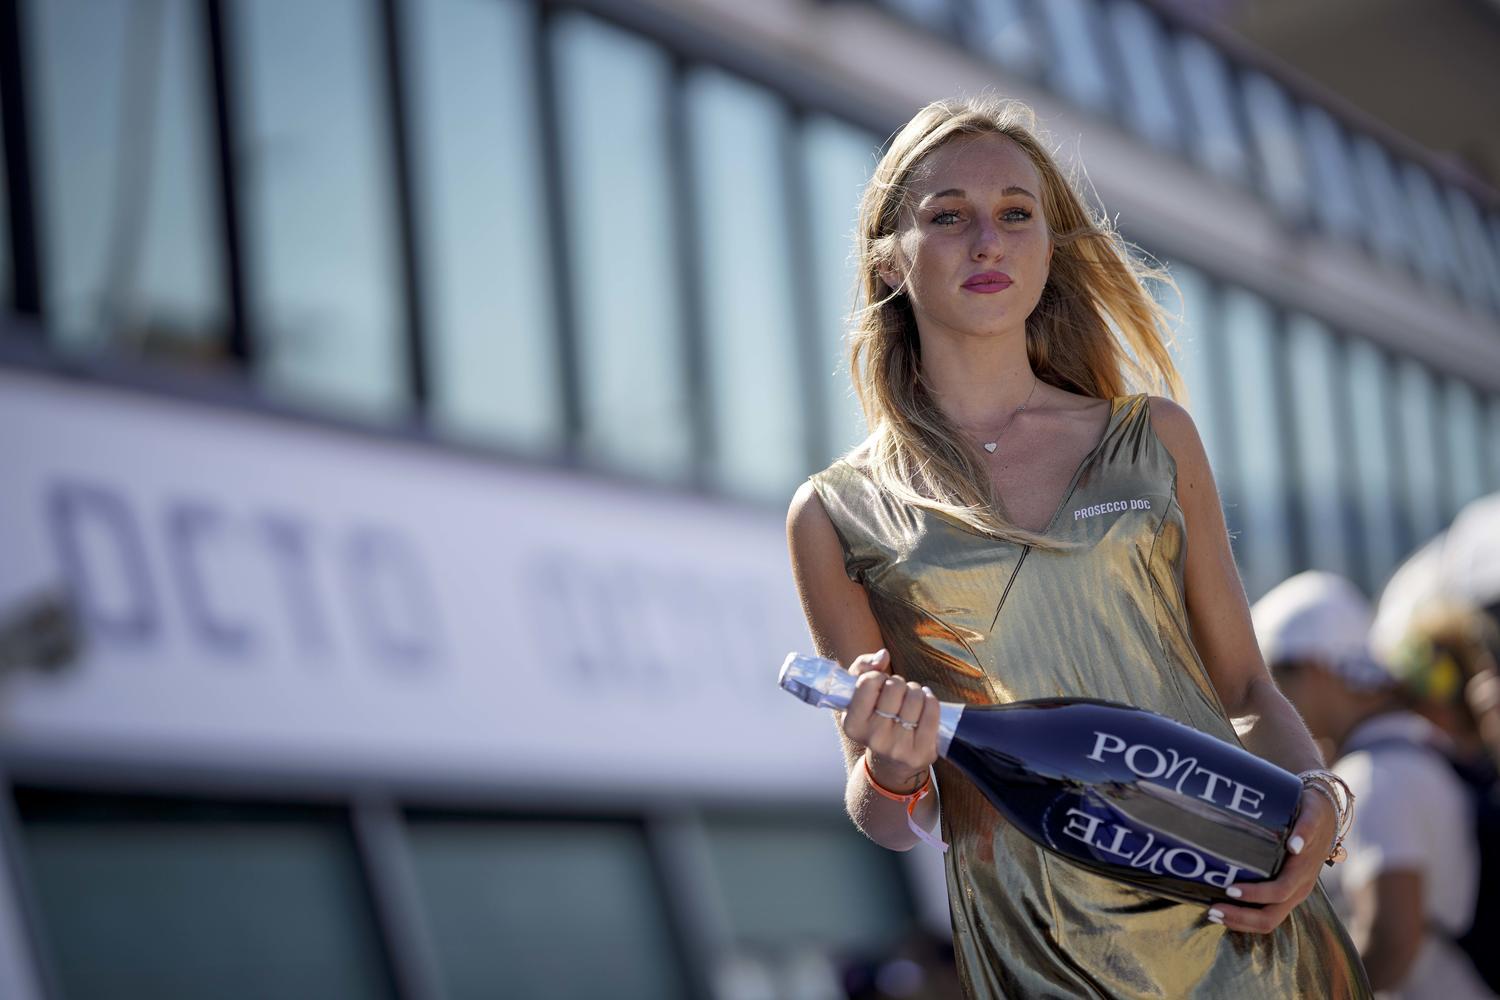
[{"x": 1017, "y": 525}]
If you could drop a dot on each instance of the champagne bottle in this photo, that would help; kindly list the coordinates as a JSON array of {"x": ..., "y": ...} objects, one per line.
[{"x": 1122, "y": 791}]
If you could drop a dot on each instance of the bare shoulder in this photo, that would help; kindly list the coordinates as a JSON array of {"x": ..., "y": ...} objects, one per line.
[
  {"x": 1174, "y": 425},
  {"x": 806, "y": 512}
]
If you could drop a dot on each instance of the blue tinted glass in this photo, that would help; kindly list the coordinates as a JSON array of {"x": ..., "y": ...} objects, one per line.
[
  {"x": 140, "y": 898},
  {"x": 1377, "y": 483},
  {"x": 934, "y": 14},
  {"x": 128, "y": 224},
  {"x": 1278, "y": 143},
  {"x": 1005, "y": 31},
  {"x": 1425, "y": 488},
  {"x": 564, "y": 910},
  {"x": 624, "y": 273},
  {"x": 1479, "y": 268},
  {"x": 839, "y": 160},
  {"x": 1384, "y": 203},
  {"x": 737, "y": 134},
  {"x": 1217, "y": 141},
  {"x": 1194, "y": 350},
  {"x": 1463, "y": 430},
  {"x": 317, "y": 194},
  {"x": 485, "y": 230},
  {"x": 829, "y": 868},
  {"x": 1139, "y": 40},
  {"x": 1438, "y": 256},
  {"x": 1078, "y": 67},
  {"x": 1492, "y": 440},
  {"x": 1323, "y": 498},
  {"x": 1332, "y": 177},
  {"x": 1258, "y": 488}
]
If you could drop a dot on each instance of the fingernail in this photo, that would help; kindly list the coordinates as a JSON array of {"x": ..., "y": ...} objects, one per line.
[
  {"x": 1234, "y": 893},
  {"x": 1295, "y": 845},
  {"x": 1216, "y": 915},
  {"x": 926, "y": 689},
  {"x": 881, "y": 653}
]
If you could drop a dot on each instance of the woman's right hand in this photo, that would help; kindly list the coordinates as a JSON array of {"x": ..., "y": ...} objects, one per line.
[{"x": 899, "y": 754}]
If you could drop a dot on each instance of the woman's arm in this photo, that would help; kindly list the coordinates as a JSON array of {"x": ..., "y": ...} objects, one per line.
[
  {"x": 1219, "y": 617},
  {"x": 844, "y": 629}
]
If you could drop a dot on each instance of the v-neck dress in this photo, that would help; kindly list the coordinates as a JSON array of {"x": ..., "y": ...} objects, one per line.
[{"x": 984, "y": 621}]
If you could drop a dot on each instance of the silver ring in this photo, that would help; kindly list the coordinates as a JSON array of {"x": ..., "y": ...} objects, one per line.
[
  {"x": 888, "y": 715},
  {"x": 907, "y": 725}
]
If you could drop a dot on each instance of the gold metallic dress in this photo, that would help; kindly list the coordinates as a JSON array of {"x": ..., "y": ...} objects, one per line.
[{"x": 984, "y": 621}]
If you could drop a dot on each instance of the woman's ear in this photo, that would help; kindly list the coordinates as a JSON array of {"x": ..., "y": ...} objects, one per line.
[{"x": 891, "y": 278}]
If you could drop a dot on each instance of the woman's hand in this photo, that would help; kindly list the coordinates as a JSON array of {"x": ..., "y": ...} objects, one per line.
[
  {"x": 1310, "y": 843},
  {"x": 895, "y": 719}
]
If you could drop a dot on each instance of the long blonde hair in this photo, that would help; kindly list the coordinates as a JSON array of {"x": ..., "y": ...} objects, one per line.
[{"x": 1096, "y": 329}]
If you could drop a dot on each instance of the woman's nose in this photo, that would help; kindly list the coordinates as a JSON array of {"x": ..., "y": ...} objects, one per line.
[{"x": 987, "y": 242}]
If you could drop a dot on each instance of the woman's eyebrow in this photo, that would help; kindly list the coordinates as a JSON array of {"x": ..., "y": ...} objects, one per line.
[{"x": 959, "y": 192}]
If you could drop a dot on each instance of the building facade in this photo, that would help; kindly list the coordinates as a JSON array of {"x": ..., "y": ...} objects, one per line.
[{"x": 409, "y": 393}]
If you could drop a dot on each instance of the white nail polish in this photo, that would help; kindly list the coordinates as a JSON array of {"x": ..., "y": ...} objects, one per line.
[
  {"x": 1216, "y": 915},
  {"x": 1295, "y": 845},
  {"x": 1234, "y": 893}
]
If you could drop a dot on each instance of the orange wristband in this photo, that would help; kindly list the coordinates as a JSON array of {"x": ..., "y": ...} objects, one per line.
[{"x": 911, "y": 799}]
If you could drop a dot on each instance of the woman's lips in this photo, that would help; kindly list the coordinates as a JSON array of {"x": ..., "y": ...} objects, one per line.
[{"x": 989, "y": 281}]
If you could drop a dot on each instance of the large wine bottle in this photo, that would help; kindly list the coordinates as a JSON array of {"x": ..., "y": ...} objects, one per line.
[{"x": 1125, "y": 792}]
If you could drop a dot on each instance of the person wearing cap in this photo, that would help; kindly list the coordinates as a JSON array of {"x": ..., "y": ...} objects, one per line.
[{"x": 1408, "y": 887}]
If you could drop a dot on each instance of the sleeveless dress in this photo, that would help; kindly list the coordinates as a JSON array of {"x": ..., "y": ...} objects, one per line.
[{"x": 984, "y": 621}]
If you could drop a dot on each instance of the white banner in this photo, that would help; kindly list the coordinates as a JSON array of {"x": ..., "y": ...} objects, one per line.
[{"x": 268, "y": 594}]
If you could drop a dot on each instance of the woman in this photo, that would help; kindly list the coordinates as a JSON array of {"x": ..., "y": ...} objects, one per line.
[{"x": 1014, "y": 527}]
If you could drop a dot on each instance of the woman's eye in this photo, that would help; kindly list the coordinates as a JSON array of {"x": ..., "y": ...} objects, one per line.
[
  {"x": 938, "y": 218},
  {"x": 1018, "y": 215}
]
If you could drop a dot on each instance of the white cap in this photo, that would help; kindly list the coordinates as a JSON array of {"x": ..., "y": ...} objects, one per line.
[{"x": 1323, "y": 618}]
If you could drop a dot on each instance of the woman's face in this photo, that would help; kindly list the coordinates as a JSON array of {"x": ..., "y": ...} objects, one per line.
[{"x": 974, "y": 211}]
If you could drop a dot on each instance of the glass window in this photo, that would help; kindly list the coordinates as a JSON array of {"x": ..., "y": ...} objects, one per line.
[
  {"x": 1463, "y": 431},
  {"x": 934, "y": 14},
  {"x": 1492, "y": 441},
  {"x": 1321, "y": 453},
  {"x": 1217, "y": 141},
  {"x": 838, "y": 162},
  {"x": 1478, "y": 259},
  {"x": 543, "y": 909},
  {"x": 7, "y": 299},
  {"x": 1005, "y": 31},
  {"x": 129, "y": 191},
  {"x": 737, "y": 134},
  {"x": 1078, "y": 67},
  {"x": 1376, "y": 482},
  {"x": 1437, "y": 256},
  {"x": 1258, "y": 488},
  {"x": 624, "y": 273},
  {"x": 1150, "y": 110},
  {"x": 1332, "y": 175},
  {"x": 1384, "y": 202},
  {"x": 485, "y": 230},
  {"x": 147, "y": 898},
  {"x": 323, "y": 281},
  {"x": 760, "y": 863},
  {"x": 1194, "y": 350},
  {"x": 1278, "y": 143},
  {"x": 1424, "y": 489}
]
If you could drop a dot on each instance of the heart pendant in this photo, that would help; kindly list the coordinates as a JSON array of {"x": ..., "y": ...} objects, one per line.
[{"x": 991, "y": 447}]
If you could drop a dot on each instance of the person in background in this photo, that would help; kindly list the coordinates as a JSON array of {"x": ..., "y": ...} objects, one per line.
[{"x": 1409, "y": 886}]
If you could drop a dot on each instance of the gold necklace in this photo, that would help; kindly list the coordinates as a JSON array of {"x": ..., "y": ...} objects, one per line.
[{"x": 990, "y": 446}]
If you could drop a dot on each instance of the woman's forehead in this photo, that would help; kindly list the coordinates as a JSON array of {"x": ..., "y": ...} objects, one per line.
[{"x": 973, "y": 164}]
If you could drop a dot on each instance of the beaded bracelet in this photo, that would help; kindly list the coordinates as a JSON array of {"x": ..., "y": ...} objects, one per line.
[{"x": 1339, "y": 795}]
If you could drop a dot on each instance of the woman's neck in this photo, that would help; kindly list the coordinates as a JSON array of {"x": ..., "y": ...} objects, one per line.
[{"x": 979, "y": 382}]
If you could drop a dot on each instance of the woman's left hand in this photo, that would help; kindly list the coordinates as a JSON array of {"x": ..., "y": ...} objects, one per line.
[{"x": 1316, "y": 825}]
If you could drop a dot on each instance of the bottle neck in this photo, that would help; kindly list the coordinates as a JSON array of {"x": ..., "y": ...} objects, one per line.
[{"x": 824, "y": 683}]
